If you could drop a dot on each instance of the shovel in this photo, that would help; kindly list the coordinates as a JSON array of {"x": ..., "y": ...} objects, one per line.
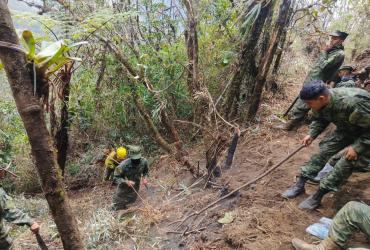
[{"x": 41, "y": 242}]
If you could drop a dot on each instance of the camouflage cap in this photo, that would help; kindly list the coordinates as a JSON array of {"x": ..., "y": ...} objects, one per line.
[
  {"x": 339, "y": 33},
  {"x": 135, "y": 152},
  {"x": 346, "y": 67}
]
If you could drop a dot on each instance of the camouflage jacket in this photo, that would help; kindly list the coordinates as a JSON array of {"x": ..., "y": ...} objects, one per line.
[
  {"x": 127, "y": 171},
  {"x": 349, "y": 110},
  {"x": 326, "y": 65},
  {"x": 9, "y": 213},
  {"x": 346, "y": 82}
]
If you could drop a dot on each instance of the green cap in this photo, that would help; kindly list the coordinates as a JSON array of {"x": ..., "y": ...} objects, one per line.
[
  {"x": 346, "y": 67},
  {"x": 339, "y": 33},
  {"x": 135, "y": 152}
]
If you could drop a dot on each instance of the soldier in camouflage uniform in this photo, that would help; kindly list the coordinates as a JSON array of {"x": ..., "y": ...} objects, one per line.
[
  {"x": 9, "y": 213},
  {"x": 324, "y": 69},
  {"x": 352, "y": 217},
  {"x": 349, "y": 110},
  {"x": 128, "y": 175},
  {"x": 347, "y": 80}
]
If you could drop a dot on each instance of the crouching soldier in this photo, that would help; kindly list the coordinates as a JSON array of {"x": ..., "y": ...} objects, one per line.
[
  {"x": 113, "y": 159},
  {"x": 128, "y": 175},
  {"x": 349, "y": 110},
  {"x": 9, "y": 213},
  {"x": 354, "y": 216},
  {"x": 347, "y": 80}
]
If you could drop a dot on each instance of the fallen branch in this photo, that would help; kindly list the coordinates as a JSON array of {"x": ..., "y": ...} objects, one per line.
[
  {"x": 187, "y": 232},
  {"x": 8, "y": 171},
  {"x": 239, "y": 188}
]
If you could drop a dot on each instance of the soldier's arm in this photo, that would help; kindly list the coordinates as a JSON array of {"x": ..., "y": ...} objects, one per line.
[
  {"x": 13, "y": 214},
  {"x": 361, "y": 118},
  {"x": 317, "y": 126},
  {"x": 119, "y": 173},
  {"x": 119, "y": 177},
  {"x": 332, "y": 59}
]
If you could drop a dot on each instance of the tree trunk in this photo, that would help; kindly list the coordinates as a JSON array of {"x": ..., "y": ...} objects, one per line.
[
  {"x": 61, "y": 136},
  {"x": 231, "y": 151},
  {"x": 32, "y": 116},
  {"x": 246, "y": 70},
  {"x": 264, "y": 66},
  {"x": 282, "y": 41},
  {"x": 191, "y": 39}
]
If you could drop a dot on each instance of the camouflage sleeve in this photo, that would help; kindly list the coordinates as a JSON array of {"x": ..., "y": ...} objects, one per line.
[
  {"x": 11, "y": 213},
  {"x": 361, "y": 117},
  {"x": 146, "y": 168},
  {"x": 119, "y": 175},
  {"x": 317, "y": 126},
  {"x": 332, "y": 59}
]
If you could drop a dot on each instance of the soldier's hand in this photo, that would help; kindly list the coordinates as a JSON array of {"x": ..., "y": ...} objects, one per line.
[
  {"x": 130, "y": 183},
  {"x": 307, "y": 140},
  {"x": 351, "y": 154},
  {"x": 145, "y": 181},
  {"x": 35, "y": 228}
]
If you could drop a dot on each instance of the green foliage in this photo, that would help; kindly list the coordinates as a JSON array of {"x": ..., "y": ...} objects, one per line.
[
  {"x": 249, "y": 18},
  {"x": 73, "y": 169}
]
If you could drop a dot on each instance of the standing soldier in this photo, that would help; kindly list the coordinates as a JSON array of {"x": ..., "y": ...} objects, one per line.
[
  {"x": 113, "y": 159},
  {"x": 128, "y": 175},
  {"x": 324, "y": 69},
  {"x": 9, "y": 213},
  {"x": 347, "y": 80},
  {"x": 349, "y": 110}
]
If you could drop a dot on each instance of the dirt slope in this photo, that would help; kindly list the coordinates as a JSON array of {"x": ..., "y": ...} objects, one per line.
[{"x": 263, "y": 220}]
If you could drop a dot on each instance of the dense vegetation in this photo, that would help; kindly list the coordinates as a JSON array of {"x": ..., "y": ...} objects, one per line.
[{"x": 166, "y": 75}]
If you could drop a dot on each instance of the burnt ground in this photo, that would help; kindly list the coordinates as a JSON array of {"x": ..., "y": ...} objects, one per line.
[{"x": 262, "y": 219}]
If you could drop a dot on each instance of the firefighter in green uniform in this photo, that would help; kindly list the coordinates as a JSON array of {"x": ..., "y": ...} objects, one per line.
[
  {"x": 9, "y": 213},
  {"x": 349, "y": 110},
  {"x": 324, "y": 69},
  {"x": 128, "y": 175},
  {"x": 347, "y": 80},
  {"x": 354, "y": 216}
]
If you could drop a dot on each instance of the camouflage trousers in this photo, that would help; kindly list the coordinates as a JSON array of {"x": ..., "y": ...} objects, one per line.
[
  {"x": 124, "y": 196},
  {"x": 5, "y": 241},
  {"x": 109, "y": 173},
  {"x": 352, "y": 217},
  {"x": 299, "y": 111},
  {"x": 342, "y": 169}
]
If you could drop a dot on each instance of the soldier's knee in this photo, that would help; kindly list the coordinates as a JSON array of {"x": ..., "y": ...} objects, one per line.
[
  {"x": 353, "y": 206},
  {"x": 350, "y": 208}
]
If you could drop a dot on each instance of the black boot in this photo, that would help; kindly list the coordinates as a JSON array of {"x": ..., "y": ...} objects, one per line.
[
  {"x": 289, "y": 125},
  {"x": 296, "y": 189},
  {"x": 314, "y": 200}
]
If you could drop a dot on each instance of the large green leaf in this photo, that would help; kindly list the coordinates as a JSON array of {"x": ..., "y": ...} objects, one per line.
[
  {"x": 50, "y": 51},
  {"x": 78, "y": 44},
  {"x": 1, "y": 66},
  {"x": 30, "y": 42},
  {"x": 61, "y": 62}
]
